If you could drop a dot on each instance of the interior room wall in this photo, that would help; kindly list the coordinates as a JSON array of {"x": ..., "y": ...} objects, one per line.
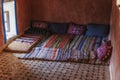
[
  {"x": 79, "y": 11},
  {"x": 1, "y": 27},
  {"x": 23, "y": 14},
  {"x": 115, "y": 37},
  {"x": 23, "y": 17}
]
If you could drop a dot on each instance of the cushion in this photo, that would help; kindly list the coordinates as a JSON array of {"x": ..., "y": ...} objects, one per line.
[
  {"x": 97, "y": 30},
  {"x": 104, "y": 51},
  {"x": 60, "y": 28},
  {"x": 76, "y": 29},
  {"x": 23, "y": 43},
  {"x": 39, "y": 24},
  {"x": 36, "y": 31}
]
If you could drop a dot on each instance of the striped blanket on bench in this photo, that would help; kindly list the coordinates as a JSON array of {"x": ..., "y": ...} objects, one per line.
[{"x": 75, "y": 48}]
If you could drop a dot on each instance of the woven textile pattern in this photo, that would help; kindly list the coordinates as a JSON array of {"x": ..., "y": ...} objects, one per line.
[
  {"x": 76, "y": 48},
  {"x": 12, "y": 68},
  {"x": 24, "y": 43}
]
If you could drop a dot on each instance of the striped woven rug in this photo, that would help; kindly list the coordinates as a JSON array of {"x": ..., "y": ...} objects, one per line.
[{"x": 71, "y": 48}]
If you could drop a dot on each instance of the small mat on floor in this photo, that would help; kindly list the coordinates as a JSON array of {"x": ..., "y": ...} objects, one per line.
[{"x": 23, "y": 43}]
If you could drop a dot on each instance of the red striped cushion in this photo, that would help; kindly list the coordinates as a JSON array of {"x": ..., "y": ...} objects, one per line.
[
  {"x": 50, "y": 41},
  {"x": 63, "y": 43}
]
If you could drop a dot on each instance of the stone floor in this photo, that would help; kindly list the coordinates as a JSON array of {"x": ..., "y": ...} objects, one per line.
[{"x": 12, "y": 68}]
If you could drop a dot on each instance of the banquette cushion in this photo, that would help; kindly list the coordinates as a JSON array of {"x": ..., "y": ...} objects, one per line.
[
  {"x": 104, "y": 51},
  {"x": 100, "y": 30},
  {"x": 40, "y": 24},
  {"x": 76, "y": 29},
  {"x": 60, "y": 28}
]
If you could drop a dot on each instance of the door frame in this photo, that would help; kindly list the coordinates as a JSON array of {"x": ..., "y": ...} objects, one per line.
[{"x": 5, "y": 37}]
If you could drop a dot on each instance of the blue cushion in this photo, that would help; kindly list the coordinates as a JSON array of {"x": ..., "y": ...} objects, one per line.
[
  {"x": 97, "y": 30},
  {"x": 60, "y": 28}
]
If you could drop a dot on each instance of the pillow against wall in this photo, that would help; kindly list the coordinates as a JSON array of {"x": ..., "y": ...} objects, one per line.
[
  {"x": 40, "y": 24},
  {"x": 60, "y": 28},
  {"x": 104, "y": 51},
  {"x": 100, "y": 30},
  {"x": 35, "y": 31},
  {"x": 76, "y": 29}
]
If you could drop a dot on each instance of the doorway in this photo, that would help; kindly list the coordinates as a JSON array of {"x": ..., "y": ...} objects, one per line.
[{"x": 9, "y": 19}]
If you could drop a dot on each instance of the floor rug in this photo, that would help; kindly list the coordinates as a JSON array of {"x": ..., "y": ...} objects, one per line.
[{"x": 12, "y": 68}]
